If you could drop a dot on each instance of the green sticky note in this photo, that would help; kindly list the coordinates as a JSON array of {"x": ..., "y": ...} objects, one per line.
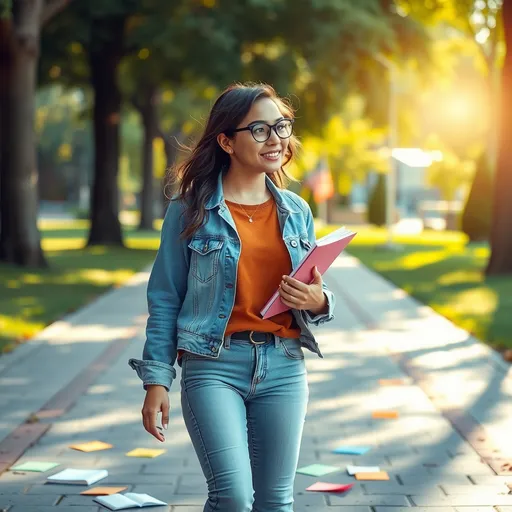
[
  {"x": 35, "y": 466},
  {"x": 317, "y": 469}
]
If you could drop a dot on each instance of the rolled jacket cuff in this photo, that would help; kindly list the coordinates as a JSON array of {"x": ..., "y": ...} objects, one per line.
[
  {"x": 153, "y": 372},
  {"x": 322, "y": 317}
]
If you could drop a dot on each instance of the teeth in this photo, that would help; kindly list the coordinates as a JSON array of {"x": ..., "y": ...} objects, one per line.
[{"x": 275, "y": 153}]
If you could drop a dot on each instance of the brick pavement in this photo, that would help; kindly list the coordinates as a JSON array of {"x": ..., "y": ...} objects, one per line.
[{"x": 378, "y": 333}]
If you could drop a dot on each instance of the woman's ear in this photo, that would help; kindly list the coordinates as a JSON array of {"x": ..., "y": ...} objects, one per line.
[{"x": 225, "y": 143}]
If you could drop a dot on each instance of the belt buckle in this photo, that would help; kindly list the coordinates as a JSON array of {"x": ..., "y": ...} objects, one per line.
[{"x": 254, "y": 342}]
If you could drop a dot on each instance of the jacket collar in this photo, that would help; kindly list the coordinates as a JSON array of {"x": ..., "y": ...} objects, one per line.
[{"x": 282, "y": 201}]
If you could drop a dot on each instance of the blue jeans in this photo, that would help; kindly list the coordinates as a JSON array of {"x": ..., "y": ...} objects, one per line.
[{"x": 245, "y": 414}]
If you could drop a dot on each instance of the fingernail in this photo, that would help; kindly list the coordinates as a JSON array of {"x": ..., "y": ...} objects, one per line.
[{"x": 165, "y": 426}]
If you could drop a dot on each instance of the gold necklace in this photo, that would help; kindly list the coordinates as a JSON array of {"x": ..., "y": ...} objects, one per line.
[{"x": 253, "y": 213}]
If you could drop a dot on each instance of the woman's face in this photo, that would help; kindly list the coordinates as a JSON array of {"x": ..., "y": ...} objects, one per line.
[{"x": 260, "y": 156}]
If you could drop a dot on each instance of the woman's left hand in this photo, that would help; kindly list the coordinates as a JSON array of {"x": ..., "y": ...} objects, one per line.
[{"x": 298, "y": 295}]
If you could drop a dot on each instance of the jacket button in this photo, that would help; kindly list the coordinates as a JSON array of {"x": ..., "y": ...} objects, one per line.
[
  {"x": 293, "y": 243},
  {"x": 222, "y": 316},
  {"x": 229, "y": 285}
]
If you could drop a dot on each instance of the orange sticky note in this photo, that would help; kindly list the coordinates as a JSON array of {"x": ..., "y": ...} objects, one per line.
[
  {"x": 92, "y": 446},
  {"x": 392, "y": 382},
  {"x": 377, "y": 475},
  {"x": 384, "y": 415},
  {"x": 103, "y": 491}
]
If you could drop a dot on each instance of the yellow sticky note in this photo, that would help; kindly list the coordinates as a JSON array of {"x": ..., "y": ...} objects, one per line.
[
  {"x": 385, "y": 415},
  {"x": 103, "y": 491},
  {"x": 92, "y": 446},
  {"x": 377, "y": 475},
  {"x": 145, "y": 452}
]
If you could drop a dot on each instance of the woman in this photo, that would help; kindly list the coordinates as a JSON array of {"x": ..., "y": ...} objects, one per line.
[{"x": 229, "y": 240}]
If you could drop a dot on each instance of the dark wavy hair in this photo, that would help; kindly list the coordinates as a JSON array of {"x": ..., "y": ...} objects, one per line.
[{"x": 196, "y": 178}]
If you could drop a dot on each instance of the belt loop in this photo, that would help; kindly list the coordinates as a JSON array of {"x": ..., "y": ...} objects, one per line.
[
  {"x": 227, "y": 341},
  {"x": 277, "y": 340}
]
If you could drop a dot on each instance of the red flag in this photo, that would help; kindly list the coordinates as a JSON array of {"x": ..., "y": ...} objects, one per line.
[{"x": 320, "y": 182}]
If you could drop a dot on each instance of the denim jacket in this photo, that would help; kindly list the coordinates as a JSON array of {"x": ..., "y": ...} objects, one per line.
[{"x": 191, "y": 289}]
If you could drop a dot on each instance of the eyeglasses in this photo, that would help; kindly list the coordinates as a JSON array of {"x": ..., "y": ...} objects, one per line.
[{"x": 261, "y": 131}]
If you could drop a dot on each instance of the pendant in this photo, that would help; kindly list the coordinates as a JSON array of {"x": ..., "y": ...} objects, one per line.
[{"x": 250, "y": 219}]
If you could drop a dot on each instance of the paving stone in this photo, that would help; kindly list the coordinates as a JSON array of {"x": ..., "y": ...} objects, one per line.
[
  {"x": 472, "y": 489},
  {"x": 463, "y": 501},
  {"x": 77, "y": 500},
  {"x": 37, "y": 508},
  {"x": 188, "y": 499},
  {"x": 140, "y": 478},
  {"x": 347, "y": 508},
  {"x": 395, "y": 488},
  {"x": 192, "y": 485},
  {"x": 431, "y": 480},
  {"x": 435, "y": 509},
  {"x": 26, "y": 500},
  {"x": 56, "y": 489},
  {"x": 491, "y": 480},
  {"x": 370, "y": 500},
  {"x": 13, "y": 488},
  {"x": 415, "y": 509}
]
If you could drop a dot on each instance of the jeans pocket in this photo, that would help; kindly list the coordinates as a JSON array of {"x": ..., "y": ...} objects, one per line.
[{"x": 291, "y": 348}]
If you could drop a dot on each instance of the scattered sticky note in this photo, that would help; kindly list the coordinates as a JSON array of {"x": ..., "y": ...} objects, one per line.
[
  {"x": 384, "y": 415},
  {"x": 392, "y": 382},
  {"x": 148, "y": 453},
  {"x": 377, "y": 475},
  {"x": 92, "y": 446},
  {"x": 103, "y": 491},
  {"x": 327, "y": 487},
  {"x": 352, "y": 470},
  {"x": 37, "y": 467},
  {"x": 317, "y": 469},
  {"x": 351, "y": 450}
]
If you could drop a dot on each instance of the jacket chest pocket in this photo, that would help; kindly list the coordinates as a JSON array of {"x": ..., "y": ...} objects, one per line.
[{"x": 205, "y": 258}]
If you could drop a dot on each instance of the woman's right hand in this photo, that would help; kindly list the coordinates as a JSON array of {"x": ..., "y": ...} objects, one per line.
[{"x": 157, "y": 400}]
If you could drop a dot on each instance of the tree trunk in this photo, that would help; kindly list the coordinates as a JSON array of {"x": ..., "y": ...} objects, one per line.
[
  {"x": 20, "y": 241},
  {"x": 104, "y": 58},
  {"x": 500, "y": 261},
  {"x": 147, "y": 109}
]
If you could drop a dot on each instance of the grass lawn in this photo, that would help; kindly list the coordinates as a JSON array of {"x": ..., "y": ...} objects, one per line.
[
  {"x": 442, "y": 270},
  {"x": 32, "y": 299}
]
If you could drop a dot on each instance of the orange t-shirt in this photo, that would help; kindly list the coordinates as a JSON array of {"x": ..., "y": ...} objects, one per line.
[{"x": 263, "y": 261}]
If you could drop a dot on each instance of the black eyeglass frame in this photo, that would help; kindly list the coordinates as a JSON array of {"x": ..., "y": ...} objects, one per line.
[{"x": 271, "y": 127}]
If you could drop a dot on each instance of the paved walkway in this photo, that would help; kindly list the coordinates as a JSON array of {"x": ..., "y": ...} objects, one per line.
[{"x": 446, "y": 452}]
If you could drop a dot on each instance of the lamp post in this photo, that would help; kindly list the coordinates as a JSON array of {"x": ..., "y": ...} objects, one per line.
[{"x": 392, "y": 143}]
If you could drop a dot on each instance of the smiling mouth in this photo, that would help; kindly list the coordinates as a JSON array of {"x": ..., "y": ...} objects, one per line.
[{"x": 272, "y": 155}]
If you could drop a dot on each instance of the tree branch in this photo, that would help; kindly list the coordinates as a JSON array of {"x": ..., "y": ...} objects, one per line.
[{"x": 51, "y": 8}]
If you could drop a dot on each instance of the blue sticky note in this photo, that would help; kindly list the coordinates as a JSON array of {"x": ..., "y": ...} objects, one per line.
[{"x": 351, "y": 450}]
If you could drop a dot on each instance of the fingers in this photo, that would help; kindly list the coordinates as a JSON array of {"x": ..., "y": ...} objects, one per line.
[
  {"x": 165, "y": 415},
  {"x": 292, "y": 294},
  {"x": 292, "y": 282},
  {"x": 149, "y": 419}
]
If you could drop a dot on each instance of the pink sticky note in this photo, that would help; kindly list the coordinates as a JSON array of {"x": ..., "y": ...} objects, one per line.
[{"x": 326, "y": 487}]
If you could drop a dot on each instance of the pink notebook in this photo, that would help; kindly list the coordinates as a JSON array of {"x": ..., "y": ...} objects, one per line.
[{"x": 322, "y": 255}]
